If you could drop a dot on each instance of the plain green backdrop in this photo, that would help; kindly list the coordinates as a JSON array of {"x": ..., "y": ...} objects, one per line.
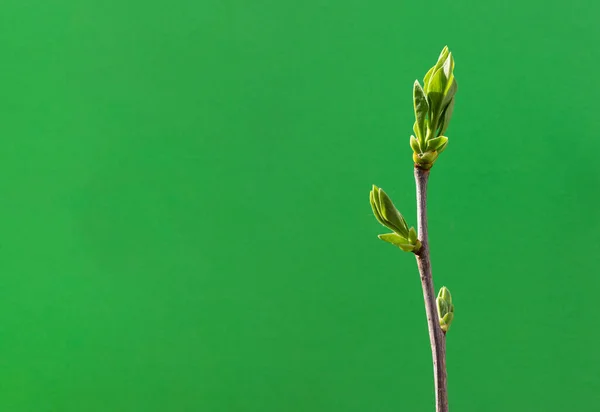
[{"x": 184, "y": 214}]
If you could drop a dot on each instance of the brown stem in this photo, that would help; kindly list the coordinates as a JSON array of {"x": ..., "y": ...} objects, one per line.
[{"x": 436, "y": 335}]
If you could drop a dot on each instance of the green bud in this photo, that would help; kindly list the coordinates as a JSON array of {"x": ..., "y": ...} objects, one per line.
[
  {"x": 445, "y": 295},
  {"x": 445, "y": 308},
  {"x": 439, "y": 88}
]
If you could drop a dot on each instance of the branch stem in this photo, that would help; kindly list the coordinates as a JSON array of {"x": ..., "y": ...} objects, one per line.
[{"x": 437, "y": 337}]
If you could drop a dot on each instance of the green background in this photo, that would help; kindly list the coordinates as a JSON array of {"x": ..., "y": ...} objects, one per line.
[{"x": 184, "y": 210}]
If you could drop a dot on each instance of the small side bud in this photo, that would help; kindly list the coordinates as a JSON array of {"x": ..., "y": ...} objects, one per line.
[{"x": 445, "y": 308}]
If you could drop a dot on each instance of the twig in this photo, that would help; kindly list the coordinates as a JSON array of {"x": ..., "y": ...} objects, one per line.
[{"x": 437, "y": 337}]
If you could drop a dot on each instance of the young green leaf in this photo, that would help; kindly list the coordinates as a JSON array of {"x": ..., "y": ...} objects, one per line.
[
  {"x": 408, "y": 248},
  {"x": 450, "y": 91},
  {"x": 399, "y": 241},
  {"x": 448, "y": 65},
  {"x": 442, "y": 147},
  {"x": 446, "y": 321},
  {"x": 375, "y": 206},
  {"x": 436, "y": 143},
  {"x": 391, "y": 215},
  {"x": 428, "y": 157},
  {"x": 376, "y": 200},
  {"x": 417, "y": 130},
  {"x": 443, "y": 55},
  {"x": 394, "y": 239},
  {"x": 440, "y": 61},
  {"x": 412, "y": 236},
  {"x": 442, "y": 307},
  {"x": 446, "y": 116},
  {"x": 438, "y": 82},
  {"x": 421, "y": 109},
  {"x": 427, "y": 77},
  {"x": 435, "y": 93},
  {"x": 414, "y": 144}
]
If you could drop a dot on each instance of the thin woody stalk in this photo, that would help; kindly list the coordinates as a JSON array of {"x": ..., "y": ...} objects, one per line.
[
  {"x": 433, "y": 104},
  {"x": 437, "y": 337}
]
